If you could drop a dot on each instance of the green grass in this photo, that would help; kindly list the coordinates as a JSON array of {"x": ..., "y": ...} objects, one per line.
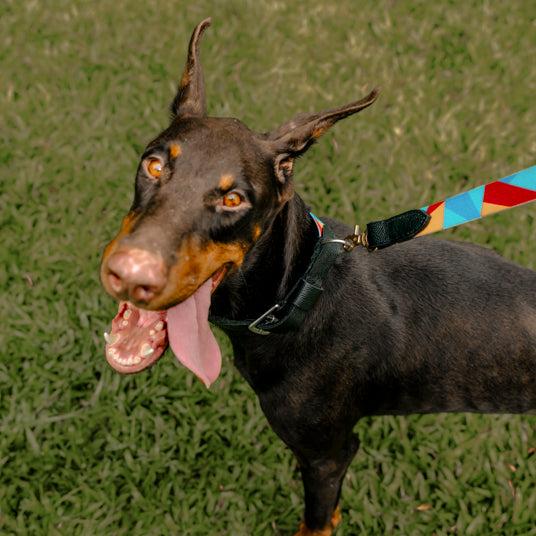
[{"x": 84, "y": 86}]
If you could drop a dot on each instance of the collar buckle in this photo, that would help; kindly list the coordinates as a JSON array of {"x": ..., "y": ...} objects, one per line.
[{"x": 268, "y": 315}]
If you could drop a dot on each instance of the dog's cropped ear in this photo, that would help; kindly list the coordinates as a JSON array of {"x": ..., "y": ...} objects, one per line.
[
  {"x": 294, "y": 137},
  {"x": 190, "y": 99}
]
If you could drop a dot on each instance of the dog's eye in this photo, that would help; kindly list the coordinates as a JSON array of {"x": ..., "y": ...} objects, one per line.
[
  {"x": 154, "y": 167},
  {"x": 232, "y": 200}
]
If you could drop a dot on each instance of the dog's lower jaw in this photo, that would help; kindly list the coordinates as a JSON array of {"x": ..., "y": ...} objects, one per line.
[{"x": 326, "y": 531}]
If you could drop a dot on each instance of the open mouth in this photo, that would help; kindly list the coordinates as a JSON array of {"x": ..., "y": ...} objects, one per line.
[{"x": 139, "y": 337}]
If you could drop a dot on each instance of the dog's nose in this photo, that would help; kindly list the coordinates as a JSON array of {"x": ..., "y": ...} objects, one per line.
[{"x": 136, "y": 274}]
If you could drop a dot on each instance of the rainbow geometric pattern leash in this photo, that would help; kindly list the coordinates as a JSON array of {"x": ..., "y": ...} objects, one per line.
[{"x": 512, "y": 191}]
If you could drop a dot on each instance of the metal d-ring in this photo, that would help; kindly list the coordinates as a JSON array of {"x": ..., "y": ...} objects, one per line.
[{"x": 334, "y": 241}]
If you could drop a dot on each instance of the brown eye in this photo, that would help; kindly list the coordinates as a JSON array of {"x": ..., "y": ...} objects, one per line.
[
  {"x": 232, "y": 199},
  {"x": 154, "y": 167}
]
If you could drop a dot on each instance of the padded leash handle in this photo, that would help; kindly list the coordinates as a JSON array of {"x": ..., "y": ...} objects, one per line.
[{"x": 384, "y": 233}]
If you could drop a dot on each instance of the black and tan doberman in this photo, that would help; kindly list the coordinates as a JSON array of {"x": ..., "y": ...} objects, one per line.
[{"x": 323, "y": 336}]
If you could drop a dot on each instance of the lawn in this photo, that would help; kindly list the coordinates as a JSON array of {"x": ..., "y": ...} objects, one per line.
[{"x": 84, "y": 86}]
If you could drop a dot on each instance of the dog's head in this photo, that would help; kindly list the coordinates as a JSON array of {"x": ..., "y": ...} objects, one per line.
[{"x": 206, "y": 189}]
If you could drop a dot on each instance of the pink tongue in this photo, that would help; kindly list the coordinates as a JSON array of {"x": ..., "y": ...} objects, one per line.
[{"x": 190, "y": 336}]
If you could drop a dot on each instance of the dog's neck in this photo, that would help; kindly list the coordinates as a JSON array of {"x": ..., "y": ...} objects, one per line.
[{"x": 271, "y": 267}]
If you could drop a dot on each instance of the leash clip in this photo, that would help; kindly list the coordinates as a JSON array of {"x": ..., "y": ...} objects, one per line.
[
  {"x": 357, "y": 239},
  {"x": 350, "y": 241}
]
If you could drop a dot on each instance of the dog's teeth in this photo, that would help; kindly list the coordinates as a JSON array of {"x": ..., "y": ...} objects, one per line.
[
  {"x": 111, "y": 339},
  {"x": 146, "y": 350},
  {"x": 159, "y": 326},
  {"x": 125, "y": 361},
  {"x": 124, "y": 323},
  {"x": 127, "y": 313}
]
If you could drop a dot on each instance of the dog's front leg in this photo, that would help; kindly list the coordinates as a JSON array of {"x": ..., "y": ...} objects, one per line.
[{"x": 322, "y": 480}]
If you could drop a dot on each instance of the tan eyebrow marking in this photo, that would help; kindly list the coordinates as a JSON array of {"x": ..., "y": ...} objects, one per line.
[
  {"x": 226, "y": 182},
  {"x": 257, "y": 230},
  {"x": 174, "y": 150}
]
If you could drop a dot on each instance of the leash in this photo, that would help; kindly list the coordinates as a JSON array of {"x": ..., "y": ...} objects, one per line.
[
  {"x": 512, "y": 191},
  {"x": 286, "y": 315}
]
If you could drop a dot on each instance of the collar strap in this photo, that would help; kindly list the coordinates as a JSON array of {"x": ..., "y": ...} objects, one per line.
[{"x": 289, "y": 313}]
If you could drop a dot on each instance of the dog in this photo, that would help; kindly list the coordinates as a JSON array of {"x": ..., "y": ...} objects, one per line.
[{"x": 324, "y": 336}]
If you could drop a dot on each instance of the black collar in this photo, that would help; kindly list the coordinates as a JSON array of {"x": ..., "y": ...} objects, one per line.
[{"x": 289, "y": 313}]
